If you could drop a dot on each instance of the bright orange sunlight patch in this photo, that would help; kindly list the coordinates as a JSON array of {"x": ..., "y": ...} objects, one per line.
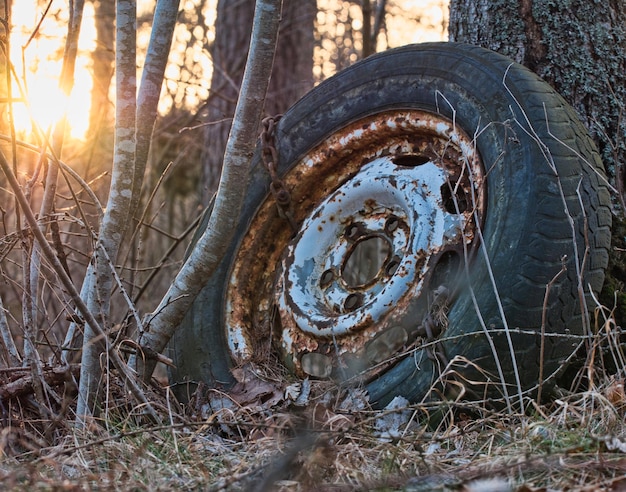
[{"x": 37, "y": 56}]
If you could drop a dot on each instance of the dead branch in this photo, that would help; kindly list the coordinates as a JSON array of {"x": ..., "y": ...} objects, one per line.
[{"x": 52, "y": 376}]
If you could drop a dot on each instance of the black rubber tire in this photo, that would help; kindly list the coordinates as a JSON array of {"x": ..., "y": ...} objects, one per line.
[{"x": 522, "y": 128}]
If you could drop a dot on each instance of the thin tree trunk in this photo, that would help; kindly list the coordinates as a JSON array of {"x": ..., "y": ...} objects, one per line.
[
  {"x": 147, "y": 102},
  {"x": 103, "y": 58},
  {"x": 100, "y": 130},
  {"x": 117, "y": 211},
  {"x": 165, "y": 16},
  {"x": 12, "y": 356},
  {"x": 33, "y": 264},
  {"x": 239, "y": 150},
  {"x": 66, "y": 84}
]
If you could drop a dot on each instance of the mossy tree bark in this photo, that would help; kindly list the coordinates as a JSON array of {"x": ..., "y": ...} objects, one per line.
[{"x": 579, "y": 47}]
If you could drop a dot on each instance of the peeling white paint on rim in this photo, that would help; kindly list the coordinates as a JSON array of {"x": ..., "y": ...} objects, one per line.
[{"x": 380, "y": 190}]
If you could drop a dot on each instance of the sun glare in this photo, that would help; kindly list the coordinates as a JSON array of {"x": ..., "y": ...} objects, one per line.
[
  {"x": 37, "y": 55},
  {"x": 38, "y": 39}
]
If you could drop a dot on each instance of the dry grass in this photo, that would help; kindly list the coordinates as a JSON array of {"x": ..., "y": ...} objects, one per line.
[{"x": 576, "y": 442}]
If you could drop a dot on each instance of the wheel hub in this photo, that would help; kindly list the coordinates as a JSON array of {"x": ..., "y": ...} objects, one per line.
[
  {"x": 360, "y": 252},
  {"x": 360, "y": 249}
]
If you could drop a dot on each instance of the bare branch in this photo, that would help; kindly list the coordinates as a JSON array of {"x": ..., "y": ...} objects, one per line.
[
  {"x": 67, "y": 283},
  {"x": 7, "y": 339}
]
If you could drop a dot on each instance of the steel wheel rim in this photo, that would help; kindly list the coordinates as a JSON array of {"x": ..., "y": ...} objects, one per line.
[{"x": 411, "y": 183}]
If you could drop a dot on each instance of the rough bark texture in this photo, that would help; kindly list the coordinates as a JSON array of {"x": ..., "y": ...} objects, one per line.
[
  {"x": 292, "y": 75},
  {"x": 579, "y": 47}
]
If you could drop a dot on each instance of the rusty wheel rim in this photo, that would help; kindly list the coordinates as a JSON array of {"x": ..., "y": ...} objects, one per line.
[{"x": 382, "y": 206}]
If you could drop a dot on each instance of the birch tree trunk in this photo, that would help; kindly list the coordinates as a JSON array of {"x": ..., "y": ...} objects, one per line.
[
  {"x": 165, "y": 17},
  {"x": 238, "y": 155},
  {"x": 100, "y": 277},
  {"x": 579, "y": 47},
  {"x": 134, "y": 124}
]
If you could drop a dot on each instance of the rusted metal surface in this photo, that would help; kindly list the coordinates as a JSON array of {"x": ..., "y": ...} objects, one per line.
[
  {"x": 269, "y": 156},
  {"x": 340, "y": 308},
  {"x": 407, "y": 182}
]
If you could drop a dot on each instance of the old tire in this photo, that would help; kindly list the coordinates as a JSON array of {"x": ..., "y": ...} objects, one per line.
[{"x": 516, "y": 234}]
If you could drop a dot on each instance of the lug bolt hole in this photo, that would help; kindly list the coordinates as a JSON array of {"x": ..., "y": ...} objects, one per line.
[
  {"x": 326, "y": 279},
  {"x": 353, "y": 231},
  {"x": 353, "y": 301},
  {"x": 411, "y": 160},
  {"x": 392, "y": 266},
  {"x": 453, "y": 198},
  {"x": 391, "y": 224}
]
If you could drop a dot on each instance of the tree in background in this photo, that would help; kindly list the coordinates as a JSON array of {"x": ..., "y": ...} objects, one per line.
[
  {"x": 103, "y": 57},
  {"x": 579, "y": 47},
  {"x": 292, "y": 75},
  {"x": 316, "y": 40}
]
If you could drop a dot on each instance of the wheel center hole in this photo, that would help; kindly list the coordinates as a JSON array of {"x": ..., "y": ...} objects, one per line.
[{"x": 365, "y": 260}]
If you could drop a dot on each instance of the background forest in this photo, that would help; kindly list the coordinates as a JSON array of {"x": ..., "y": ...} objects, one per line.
[{"x": 195, "y": 110}]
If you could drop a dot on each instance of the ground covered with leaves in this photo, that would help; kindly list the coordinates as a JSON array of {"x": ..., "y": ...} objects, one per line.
[{"x": 263, "y": 437}]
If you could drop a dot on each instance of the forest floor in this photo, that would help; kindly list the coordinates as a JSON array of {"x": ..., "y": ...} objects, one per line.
[{"x": 266, "y": 438}]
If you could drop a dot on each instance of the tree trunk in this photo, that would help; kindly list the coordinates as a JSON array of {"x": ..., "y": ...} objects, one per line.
[
  {"x": 103, "y": 56},
  {"x": 115, "y": 219},
  {"x": 579, "y": 47},
  {"x": 134, "y": 124},
  {"x": 292, "y": 75}
]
